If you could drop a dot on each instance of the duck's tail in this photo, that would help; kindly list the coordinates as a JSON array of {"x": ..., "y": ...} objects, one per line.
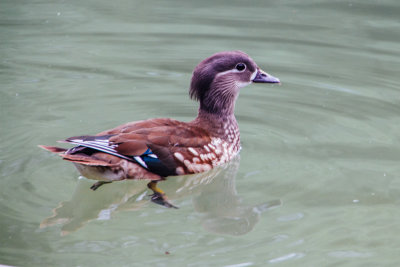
[
  {"x": 78, "y": 158},
  {"x": 53, "y": 149}
]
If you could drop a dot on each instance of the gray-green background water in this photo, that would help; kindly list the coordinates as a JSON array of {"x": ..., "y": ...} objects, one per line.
[{"x": 318, "y": 182}]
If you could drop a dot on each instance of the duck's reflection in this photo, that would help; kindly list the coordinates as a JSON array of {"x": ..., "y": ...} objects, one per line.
[{"x": 213, "y": 194}]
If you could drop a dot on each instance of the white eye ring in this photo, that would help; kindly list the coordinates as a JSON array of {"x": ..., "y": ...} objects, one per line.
[{"x": 240, "y": 67}]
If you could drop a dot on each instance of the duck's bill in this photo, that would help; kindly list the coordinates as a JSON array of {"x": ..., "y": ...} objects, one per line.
[{"x": 263, "y": 77}]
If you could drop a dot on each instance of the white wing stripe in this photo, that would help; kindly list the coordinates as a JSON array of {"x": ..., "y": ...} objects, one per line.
[
  {"x": 140, "y": 161},
  {"x": 105, "y": 149},
  {"x": 96, "y": 142},
  {"x": 104, "y": 146}
]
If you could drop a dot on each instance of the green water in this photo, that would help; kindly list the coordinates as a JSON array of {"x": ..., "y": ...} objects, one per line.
[{"x": 318, "y": 182}]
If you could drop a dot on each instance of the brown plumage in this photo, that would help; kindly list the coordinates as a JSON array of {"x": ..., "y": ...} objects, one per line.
[{"x": 156, "y": 148}]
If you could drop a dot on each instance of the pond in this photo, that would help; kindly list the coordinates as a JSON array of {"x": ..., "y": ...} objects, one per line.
[{"x": 318, "y": 178}]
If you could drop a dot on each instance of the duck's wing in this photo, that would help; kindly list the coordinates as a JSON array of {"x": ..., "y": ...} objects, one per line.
[
  {"x": 181, "y": 147},
  {"x": 161, "y": 146}
]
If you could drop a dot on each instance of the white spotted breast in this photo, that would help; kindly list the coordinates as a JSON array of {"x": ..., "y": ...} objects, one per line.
[{"x": 201, "y": 159}]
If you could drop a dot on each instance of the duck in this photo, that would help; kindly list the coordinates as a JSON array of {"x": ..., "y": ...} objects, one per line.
[{"x": 155, "y": 149}]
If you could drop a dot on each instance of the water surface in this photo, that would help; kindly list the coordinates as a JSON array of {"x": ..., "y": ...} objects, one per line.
[{"x": 317, "y": 182}]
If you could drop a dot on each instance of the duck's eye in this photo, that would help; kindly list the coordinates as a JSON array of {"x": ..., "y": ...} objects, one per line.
[{"x": 240, "y": 66}]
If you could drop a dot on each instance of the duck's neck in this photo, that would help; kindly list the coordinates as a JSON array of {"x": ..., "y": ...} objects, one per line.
[
  {"x": 223, "y": 126},
  {"x": 220, "y": 101}
]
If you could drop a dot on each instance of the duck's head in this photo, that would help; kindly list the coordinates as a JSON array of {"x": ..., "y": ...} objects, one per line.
[{"x": 216, "y": 80}]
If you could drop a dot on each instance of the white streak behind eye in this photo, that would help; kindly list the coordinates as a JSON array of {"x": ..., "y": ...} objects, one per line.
[
  {"x": 226, "y": 72},
  {"x": 238, "y": 83}
]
